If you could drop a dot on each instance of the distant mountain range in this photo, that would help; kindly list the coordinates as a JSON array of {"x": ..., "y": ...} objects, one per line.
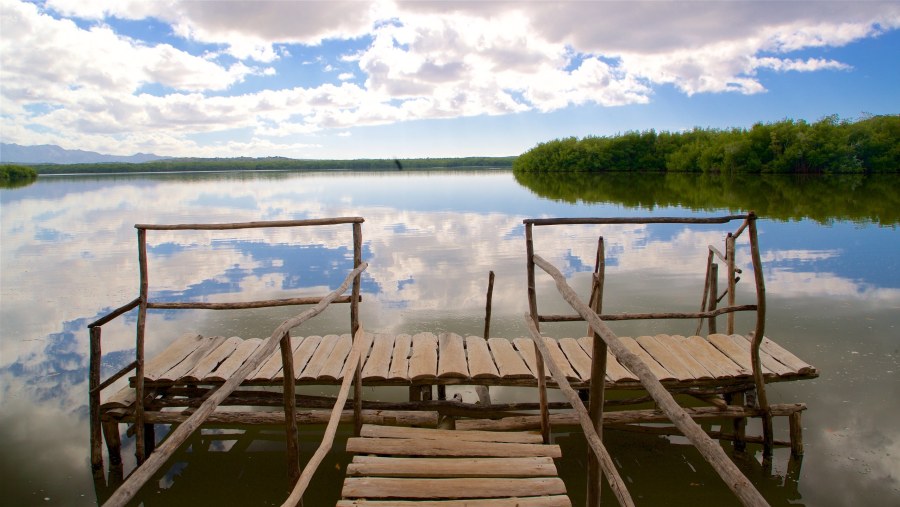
[{"x": 52, "y": 154}]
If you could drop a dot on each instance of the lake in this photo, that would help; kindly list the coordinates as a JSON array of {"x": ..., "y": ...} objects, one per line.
[{"x": 69, "y": 255}]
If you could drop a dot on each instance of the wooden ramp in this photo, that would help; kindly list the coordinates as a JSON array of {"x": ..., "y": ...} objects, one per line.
[{"x": 397, "y": 466}]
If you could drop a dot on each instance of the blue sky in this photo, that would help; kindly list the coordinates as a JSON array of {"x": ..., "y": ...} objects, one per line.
[{"x": 392, "y": 79}]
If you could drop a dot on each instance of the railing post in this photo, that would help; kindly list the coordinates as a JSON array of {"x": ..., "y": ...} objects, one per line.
[
  {"x": 533, "y": 312},
  {"x": 290, "y": 409},
  {"x": 758, "y": 335},
  {"x": 139, "y": 444},
  {"x": 354, "y": 328},
  {"x": 732, "y": 272},
  {"x": 487, "y": 305},
  {"x": 598, "y": 376},
  {"x": 94, "y": 400},
  {"x": 713, "y": 295}
]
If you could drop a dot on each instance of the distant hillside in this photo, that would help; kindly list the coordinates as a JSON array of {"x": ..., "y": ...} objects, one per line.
[{"x": 51, "y": 154}]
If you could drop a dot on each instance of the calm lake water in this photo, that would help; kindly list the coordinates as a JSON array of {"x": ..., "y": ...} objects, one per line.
[{"x": 69, "y": 255}]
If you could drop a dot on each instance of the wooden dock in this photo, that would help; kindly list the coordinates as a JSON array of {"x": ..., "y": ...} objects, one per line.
[{"x": 396, "y": 465}]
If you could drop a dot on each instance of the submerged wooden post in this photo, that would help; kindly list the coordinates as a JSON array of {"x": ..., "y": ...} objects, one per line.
[
  {"x": 290, "y": 409},
  {"x": 139, "y": 349},
  {"x": 94, "y": 400},
  {"x": 538, "y": 359},
  {"x": 598, "y": 376},
  {"x": 487, "y": 307}
]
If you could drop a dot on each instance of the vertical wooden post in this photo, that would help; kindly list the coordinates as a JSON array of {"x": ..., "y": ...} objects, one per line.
[
  {"x": 354, "y": 328},
  {"x": 94, "y": 400},
  {"x": 705, "y": 298},
  {"x": 739, "y": 424},
  {"x": 290, "y": 409},
  {"x": 532, "y": 308},
  {"x": 487, "y": 307},
  {"x": 796, "y": 429},
  {"x": 713, "y": 295},
  {"x": 758, "y": 335},
  {"x": 139, "y": 449},
  {"x": 598, "y": 376},
  {"x": 729, "y": 256}
]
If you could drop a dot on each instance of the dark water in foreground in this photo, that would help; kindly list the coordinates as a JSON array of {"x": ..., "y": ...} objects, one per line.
[{"x": 68, "y": 254}]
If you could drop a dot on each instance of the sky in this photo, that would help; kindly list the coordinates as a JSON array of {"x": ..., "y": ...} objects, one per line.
[{"x": 396, "y": 79}]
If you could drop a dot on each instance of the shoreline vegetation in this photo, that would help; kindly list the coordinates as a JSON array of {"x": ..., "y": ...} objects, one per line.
[
  {"x": 15, "y": 175},
  {"x": 828, "y": 146},
  {"x": 175, "y": 165}
]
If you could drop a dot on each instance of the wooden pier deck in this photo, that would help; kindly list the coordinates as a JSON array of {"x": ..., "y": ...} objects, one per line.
[
  {"x": 399, "y": 466},
  {"x": 448, "y": 358}
]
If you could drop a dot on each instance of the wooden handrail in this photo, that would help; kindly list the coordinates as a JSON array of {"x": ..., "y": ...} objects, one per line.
[
  {"x": 349, "y": 374},
  {"x": 633, "y": 220},
  {"x": 609, "y": 468},
  {"x": 179, "y": 435},
  {"x": 709, "y": 449},
  {"x": 190, "y": 305},
  {"x": 648, "y": 316},
  {"x": 115, "y": 313},
  {"x": 251, "y": 225}
]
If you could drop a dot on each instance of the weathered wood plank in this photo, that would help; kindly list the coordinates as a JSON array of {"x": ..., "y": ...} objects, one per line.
[
  {"x": 451, "y": 467},
  {"x": 481, "y": 364},
  {"x": 525, "y": 348},
  {"x": 732, "y": 350},
  {"x": 400, "y": 358},
  {"x": 522, "y": 437},
  {"x": 212, "y": 360},
  {"x": 658, "y": 370},
  {"x": 615, "y": 372},
  {"x": 560, "y": 359},
  {"x": 452, "y": 357},
  {"x": 712, "y": 359},
  {"x": 187, "y": 364},
  {"x": 665, "y": 357},
  {"x": 172, "y": 355},
  {"x": 234, "y": 361},
  {"x": 418, "y": 447},
  {"x": 379, "y": 363},
  {"x": 314, "y": 366},
  {"x": 332, "y": 369},
  {"x": 272, "y": 365},
  {"x": 383, "y": 487},
  {"x": 530, "y": 501},
  {"x": 509, "y": 362},
  {"x": 423, "y": 361},
  {"x": 785, "y": 357},
  {"x": 769, "y": 363},
  {"x": 577, "y": 357}
]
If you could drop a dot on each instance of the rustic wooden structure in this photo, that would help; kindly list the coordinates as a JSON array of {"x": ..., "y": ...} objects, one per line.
[{"x": 197, "y": 374}]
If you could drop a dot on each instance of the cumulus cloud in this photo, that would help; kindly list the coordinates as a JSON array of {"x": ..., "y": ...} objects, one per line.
[{"x": 71, "y": 77}]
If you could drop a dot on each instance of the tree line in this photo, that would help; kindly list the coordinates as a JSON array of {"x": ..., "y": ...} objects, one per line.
[
  {"x": 13, "y": 175},
  {"x": 275, "y": 164},
  {"x": 830, "y": 145}
]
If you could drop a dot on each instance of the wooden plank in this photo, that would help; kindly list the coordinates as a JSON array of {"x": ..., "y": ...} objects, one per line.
[
  {"x": 675, "y": 343},
  {"x": 732, "y": 350},
  {"x": 665, "y": 357},
  {"x": 452, "y": 357},
  {"x": 172, "y": 355},
  {"x": 331, "y": 370},
  {"x": 379, "y": 364},
  {"x": 658, "y": 371},
  {"x": 418, "y": 447},
  {"x": 786, "y": 357},
  {"x": 530, "y": 501},
  {"x": 522, "y": 437},
  {"x": 560, "y": 359},
  {"x": 384, "y": 487},
  {"x": 451, "y": 467},
  {"x": 234, "y": 361},
  {"x": 713, "y": 359},
  {"x": 577, "y": 357},
  {"x": 481, "y": 364},
  {"x": 509, "y": 362},
  {"x": 525, "y": 347},
  {"x": 192, "y": 359},
  {"x": 272, "y": 365},
  {"x": 367, "y": 339},
  {"x": 326, "y": 345},
  {"x": 769, "y": 363},
  {"x": 213, "y": 359},
  {"x": 423, "y": 361},
  {"x": 615, "y": 372},
  {"x": 400, "y": 358}
]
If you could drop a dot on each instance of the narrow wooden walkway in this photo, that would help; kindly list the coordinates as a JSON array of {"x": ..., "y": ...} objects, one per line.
[
  {"x": 425, "y": 358},
  {"x": 396, "y": 466}
]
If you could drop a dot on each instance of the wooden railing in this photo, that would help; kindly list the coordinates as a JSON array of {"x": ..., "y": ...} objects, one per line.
[{"x": 591, "y": 417}]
